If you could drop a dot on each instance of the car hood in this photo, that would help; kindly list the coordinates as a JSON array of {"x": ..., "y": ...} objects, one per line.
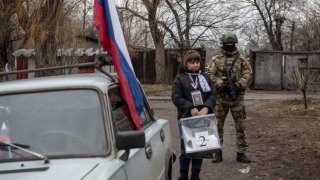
[{"x": 71, "y": 169}]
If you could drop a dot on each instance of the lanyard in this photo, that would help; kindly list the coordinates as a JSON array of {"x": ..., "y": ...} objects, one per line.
[{"x": 194, "y": 84}]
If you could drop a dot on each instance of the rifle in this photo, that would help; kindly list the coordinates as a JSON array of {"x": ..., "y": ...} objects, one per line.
[{"x": 231, "y": 90}]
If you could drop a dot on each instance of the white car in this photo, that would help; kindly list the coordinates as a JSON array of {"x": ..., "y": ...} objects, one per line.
[{"x": 76, "y": 127}]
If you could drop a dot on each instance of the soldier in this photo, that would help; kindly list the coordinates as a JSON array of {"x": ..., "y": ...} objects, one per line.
[{"x": 231, "y": 74}]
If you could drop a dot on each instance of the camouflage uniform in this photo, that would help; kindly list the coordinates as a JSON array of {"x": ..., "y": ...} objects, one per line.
[{"x": 241, "y": 74}]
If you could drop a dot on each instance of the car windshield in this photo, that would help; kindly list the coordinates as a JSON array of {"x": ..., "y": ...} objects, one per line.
[{"x": 52, "y": 123}]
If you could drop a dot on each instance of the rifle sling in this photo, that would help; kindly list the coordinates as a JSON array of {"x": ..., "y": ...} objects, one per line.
[{"x": 233, "y": 62}]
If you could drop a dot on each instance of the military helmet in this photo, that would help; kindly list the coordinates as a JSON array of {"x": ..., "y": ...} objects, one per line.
[{"x": 228, "y": 37}]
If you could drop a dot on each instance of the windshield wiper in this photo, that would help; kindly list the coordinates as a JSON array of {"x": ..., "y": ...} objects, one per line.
[
  {"x": 22, "y": 148},
  {"x": 2, "y": 144}
]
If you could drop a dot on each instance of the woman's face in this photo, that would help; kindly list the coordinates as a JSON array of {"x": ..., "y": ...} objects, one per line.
[{"x": 193, "y": 65}]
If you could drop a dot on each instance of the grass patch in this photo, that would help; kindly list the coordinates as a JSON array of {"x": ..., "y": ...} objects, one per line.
[
  {"x": 155, "y": 87},
  {"x": 293, "y": 106}
]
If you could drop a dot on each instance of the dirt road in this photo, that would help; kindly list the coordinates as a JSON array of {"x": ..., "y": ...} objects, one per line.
[{"x": 229, "y": 169}]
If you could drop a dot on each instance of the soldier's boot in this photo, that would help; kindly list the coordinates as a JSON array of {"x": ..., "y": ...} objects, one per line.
[
  {"x": 195, "y": 175},
  {"x": 241, "y": 157},
  {"x": 183, "y": 176},
  {"x": 217, "y": 157}
]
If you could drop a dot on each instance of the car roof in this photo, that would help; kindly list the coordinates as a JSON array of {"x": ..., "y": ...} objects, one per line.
[{"x": 92, "y": 80}]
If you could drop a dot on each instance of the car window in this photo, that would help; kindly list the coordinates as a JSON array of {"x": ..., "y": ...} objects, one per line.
[
  {"x": 121, "y": 118},
  {"x": 120, "y": 111},
  {"x": 68, "y": 122},
  {"x": 145, "y": 117}
]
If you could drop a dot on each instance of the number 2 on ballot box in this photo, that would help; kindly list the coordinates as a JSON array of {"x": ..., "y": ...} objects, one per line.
[{"x": 202, "y": 138}]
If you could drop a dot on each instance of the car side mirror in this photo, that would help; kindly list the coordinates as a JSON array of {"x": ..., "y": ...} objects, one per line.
[{"x": 126, "y": 140}]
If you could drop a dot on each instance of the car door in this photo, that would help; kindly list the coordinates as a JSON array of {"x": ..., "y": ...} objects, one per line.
[{"x": 148, "y": 163}]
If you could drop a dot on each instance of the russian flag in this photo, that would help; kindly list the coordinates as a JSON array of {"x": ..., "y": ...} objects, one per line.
[
  {"x": 4, "y": 138},
  {"x": 4, "y": 133},
  {"x": 106, "y": 21}
]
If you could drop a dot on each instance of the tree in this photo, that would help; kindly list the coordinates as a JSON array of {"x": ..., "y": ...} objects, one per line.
[
  {"x": 193, "y": 23},
  {"x": 179, "y": 23},
  {"x": 304, "y": 78},
  {"x": 135, "y": 30},
  {"x": 308, "y": 33},
  {"x": 149, "y": 14},
  {"x": 85, "y": 7},
  {"x": 272, "y": 15},
  {"x": 44, "y": 25},
  {"x": 7, "y": 28},
  {"x": 252, "y": 35}
]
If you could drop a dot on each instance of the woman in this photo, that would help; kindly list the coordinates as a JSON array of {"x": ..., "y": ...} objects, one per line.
[{"x": 193, "y": 94}]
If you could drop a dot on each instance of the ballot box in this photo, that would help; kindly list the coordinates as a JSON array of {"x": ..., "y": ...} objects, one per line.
[{"x": 200, "y": 135}]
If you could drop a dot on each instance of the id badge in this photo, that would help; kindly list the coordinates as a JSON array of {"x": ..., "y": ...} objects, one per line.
[{"x": 196, "y": 98}]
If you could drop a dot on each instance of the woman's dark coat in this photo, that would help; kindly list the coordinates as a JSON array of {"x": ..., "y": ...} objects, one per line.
[{"x": 181, "y": 94}]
